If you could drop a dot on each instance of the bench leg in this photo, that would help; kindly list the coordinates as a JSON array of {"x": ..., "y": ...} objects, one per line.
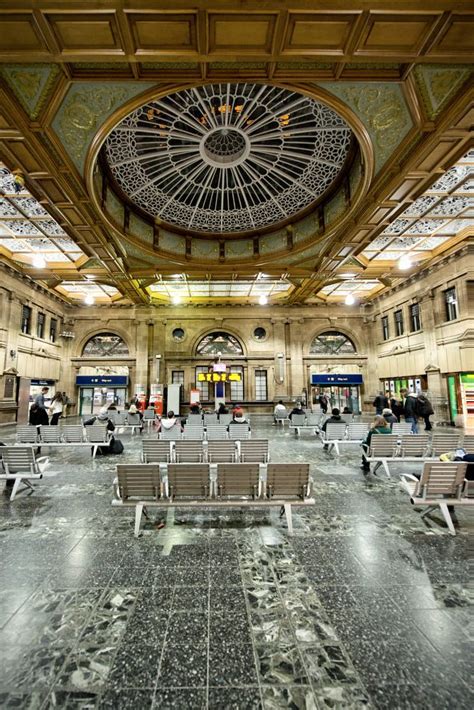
[
  {"x": 289, "y": 519},
  {"x": 336, "y": 446},
  {"x": 94, "y": 451},
  {"x": 447, "y": 517},
  {"x": 138, "y": 517},
  {"x": 16, "y": 485},
  {"x": 385, "y": 466}
]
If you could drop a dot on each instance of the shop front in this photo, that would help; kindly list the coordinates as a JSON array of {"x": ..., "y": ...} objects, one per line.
[
  {"x": 341, "y": 390},
  {"x": 413, "y": 383},
  {"x": 461, "y": 399},
  {"x": 97, "y": 391}
]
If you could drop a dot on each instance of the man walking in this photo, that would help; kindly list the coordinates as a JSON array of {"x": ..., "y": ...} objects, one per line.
[{"x": 409, "y": 409}]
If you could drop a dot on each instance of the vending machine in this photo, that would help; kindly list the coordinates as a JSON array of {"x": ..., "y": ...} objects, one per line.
[{"x": 156, "y": 398}]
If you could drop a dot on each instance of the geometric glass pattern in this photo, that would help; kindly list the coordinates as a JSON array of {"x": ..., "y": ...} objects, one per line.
[
  {"x": 181, "y": 287},
  {"x": 78, "y": 290},
  {"x": 219, "y": 343},
  {"x": 332, "y": 343},
  {"x": 228, "y": 157},
  {"x": 105, "y": 345}
]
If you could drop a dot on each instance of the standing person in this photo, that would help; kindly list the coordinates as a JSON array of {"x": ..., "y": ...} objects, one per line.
[
  {"x": 425, "y": 410},
  {"x": 39, "y": 399},
  {"x": 323, "y": 403},
  {"x": 396, "y": 405},
  {"x": 56, "y": 408},
  {"x": 380, "y": 403},
  {"x": 66, "y": 403},
  {"x": 409, "y": 409},
  {"x": 37, "y": 417},
  {"x": 378, "y": 426}
]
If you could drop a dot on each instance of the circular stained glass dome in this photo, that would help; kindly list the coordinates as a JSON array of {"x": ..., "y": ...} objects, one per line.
[{"x": 228, "y": 158}]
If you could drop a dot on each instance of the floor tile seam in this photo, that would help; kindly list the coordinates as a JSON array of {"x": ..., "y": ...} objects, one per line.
[
  {"x": 342, "y": 646},
  {"x": 208, "y": 634},
  {"x": 252, "y": 640},
  {"x": 164, "y": 645}
]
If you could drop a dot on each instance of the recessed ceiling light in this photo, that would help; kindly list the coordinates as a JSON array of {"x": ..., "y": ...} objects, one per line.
[
  {"x": 89, "y": 300},
  {"x": 39, "y": 261},
  {"x": 176, "y": 300},
  {"x": 263, "y": 300},
  {"x": 405, "y": 262},
  {"x": 350, "y": 300}
]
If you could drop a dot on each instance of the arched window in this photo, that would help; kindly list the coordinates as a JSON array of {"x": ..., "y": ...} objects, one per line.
[
  {"x": 219, "y": 342},
  {"x": 105, "y": 345},
  {"x": 332, "y": 343}
]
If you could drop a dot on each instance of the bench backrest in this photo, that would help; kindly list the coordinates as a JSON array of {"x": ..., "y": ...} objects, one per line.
[
  {"x": 238, "y": 479},
  {"x": 217, "y": 431},
  {"x": 51, "y": 434},
  {"x": 356, "y": 431},
  {"x": 140, "y": 481},
  {"x": 118, "y": 418},
  {"x": 189, "y": 452},
  {"x": 335, "y": 431},
  {"x": 401, "y": 427},
  {"x": 225, "y": 418},
  {"x": 193, "y": 432},
  {"x": 298, "y": 420},
  {"x": 171, "y": 434},
  {"x": 347, "y": 418},
  {"x": 287, "y": 480},
  {"x": 210, "y": 418},
  {"x": 441, "y": 443},
  {"x": 73, "y": 433},
  {"x": 383, "y": 445},
  {"x": 133, "y": 419},
  {"x": 441, "y": 478},
  {"x": 149, "y": 415},
  {"x": 239, "y": 431},
  {"x": 97, "y": 434},
  {"x": 221, "y": 451},
  {"x": 254, "y": 451},
  {"x": 26, "y": 434},
  {"x": 414, "y": 444},
  {"x": 188, "y": 480},
  {"x": 281, "y": 414},
  {"x": 313, "y": 419},
  {"x": 19, "y": 459},
  {"x": 156, "y": 451},
  {"x": 194, "y": 419},
  {"x": 468, "y": 443}
]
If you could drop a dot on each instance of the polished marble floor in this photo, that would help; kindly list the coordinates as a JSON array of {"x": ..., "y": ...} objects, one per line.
[{"x": 365, "y": 606}]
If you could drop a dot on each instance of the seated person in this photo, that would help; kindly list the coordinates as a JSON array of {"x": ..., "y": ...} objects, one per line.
[
  {"x": 279, "y": 409},
  {"x": 133, "y": 410},
  {"x": 297, "y": 409},
  {"x": 389, "y": 416},
  {"x": 335, "y": 418},
  {"x": 347, "y": 410},
  {"x": 238, "y": 416},
  {"x": 103, "y": 417},
  {"x": 222, "y": 409},
  {"x": 378, "y": 426},
  {"x": 169, "y": 422},
  {"x": 195, "y": 408}
]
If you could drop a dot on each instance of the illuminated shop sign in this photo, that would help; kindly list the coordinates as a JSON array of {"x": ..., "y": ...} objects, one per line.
[
  {"x": 331, "y": 379},
  {"x": 219, "y": 377},
  {"x": 102, "y": 380}
]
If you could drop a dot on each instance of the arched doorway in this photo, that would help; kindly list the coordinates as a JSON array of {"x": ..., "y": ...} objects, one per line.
[
  {"x": 334, "y": 383},
  {"x": 219, "y": 347},
  {"x": 103, "y": 383}
]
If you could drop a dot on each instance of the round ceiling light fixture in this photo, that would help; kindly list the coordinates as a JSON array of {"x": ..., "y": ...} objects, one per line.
[
  {"x": 89, "y": 300},
  {"x": 405, "y": 262},
  {"x": 228, "y": 158},
  {"x": 39, "y": 262},
  {"x": 263, "y": 300},
  {"x": 349, "y": 300}
]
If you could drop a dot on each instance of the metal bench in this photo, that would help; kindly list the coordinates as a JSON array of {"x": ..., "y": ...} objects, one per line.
[
  {"x": 254, "y": 451},
  {"x": 157, "y": 451},
  {"x": 27, "y": 434},
  {"x": 217, "y": 432},
  {"x": 441, "y": 443},
  {"x": 21, "y": 466},
  {"x": 221, "y": 451},
  {"x": 334, "y": 435}
]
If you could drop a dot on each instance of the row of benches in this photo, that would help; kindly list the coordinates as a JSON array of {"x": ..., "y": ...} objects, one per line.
[
  {"x": 156, "y": 451},
  {"x": 218, "y": 431},
  {"x": 69, "y": 435},
  {"x": 191, "y": 485}
]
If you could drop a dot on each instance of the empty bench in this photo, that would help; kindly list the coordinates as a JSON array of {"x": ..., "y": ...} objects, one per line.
[
  {"x": 67, "y": 436},
  {"x": 237, "y": 485}
]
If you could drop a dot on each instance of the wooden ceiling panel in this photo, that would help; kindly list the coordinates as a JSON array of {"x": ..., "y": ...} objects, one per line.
[
  {"x": 19, "y": 33},
  {"x": 163, "y": 33},
  {"x": 81, "y": 32},
  {"x": 458, "y": 37},
  {"x": 395, "y": 34},
  {"x": 251, "y": 33},
  {"x": 318, "y": 33}
]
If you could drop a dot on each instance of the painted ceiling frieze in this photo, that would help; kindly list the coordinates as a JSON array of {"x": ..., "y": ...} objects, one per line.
[
  {"x": 382, "y": 109},
  {"x": 85, "y": 108},
  {"x": 439, "y": 83},
  {"x": 31, "y": 84}
]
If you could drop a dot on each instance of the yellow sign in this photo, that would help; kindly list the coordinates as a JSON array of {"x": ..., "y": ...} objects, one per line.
[{"x": 219, "y": 377}]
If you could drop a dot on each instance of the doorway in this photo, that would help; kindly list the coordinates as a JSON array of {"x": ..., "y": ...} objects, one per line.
[
  {"x": 92, "y": 399},
  {"x": 340, "y": 397}
]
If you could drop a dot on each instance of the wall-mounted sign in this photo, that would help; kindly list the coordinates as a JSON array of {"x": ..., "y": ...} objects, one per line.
[
  {"x": 219, "y": 377},
  {"x": 327, "y": 379},
  {"x": 42, "y": 383},
  {"x": 102, "y": 380}
]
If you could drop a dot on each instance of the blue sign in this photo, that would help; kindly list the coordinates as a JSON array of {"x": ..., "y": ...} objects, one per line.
[
  {"x": 328, "y": 379},
  {"x": 102, "y": 380}
]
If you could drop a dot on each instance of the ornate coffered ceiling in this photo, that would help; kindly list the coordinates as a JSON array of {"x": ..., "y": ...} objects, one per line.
[{"x": 73, "y": 79}]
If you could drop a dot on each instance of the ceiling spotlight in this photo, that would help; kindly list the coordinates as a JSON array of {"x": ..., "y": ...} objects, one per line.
[
  {"x": 89, "y": 300},
  {"x": 405, "y": 262},
  {"x": 350, "y": 300},
  {"x": 176, "y": 300},
  {"x": 39, "y": 261},
  {"x": 263, "y": 300}
]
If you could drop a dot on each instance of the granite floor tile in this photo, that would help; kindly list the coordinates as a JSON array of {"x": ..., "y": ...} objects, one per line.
[
  {"x": 232, "y": 665},
  {"x": 135, "y": 665},
  {"x": 183, "y": 665},
  {"x": 127, "y": 699},
  {"x": 229, "y": 627},
  {"x": 180, "y": 699},
  {"x": 234, "y": 699},
  {"x": 188, "y": 627}
]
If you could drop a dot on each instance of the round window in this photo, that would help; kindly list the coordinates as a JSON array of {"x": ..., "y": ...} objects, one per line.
[
  {"x": 259, "y": 333},
  {"x": 178, "y": 334}
]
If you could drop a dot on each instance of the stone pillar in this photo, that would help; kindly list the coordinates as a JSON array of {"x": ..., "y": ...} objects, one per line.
[
  {"x": 141, "y": 356},
  {"x": 279, "y": 347},
  {"x": 297, "y": 373}
]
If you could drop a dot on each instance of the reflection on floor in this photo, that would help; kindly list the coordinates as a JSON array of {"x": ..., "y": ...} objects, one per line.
[{"x": 365, "y": 606}]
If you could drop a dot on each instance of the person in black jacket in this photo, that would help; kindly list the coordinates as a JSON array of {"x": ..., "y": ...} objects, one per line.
[
  {"x": 333, "y": 419},
  {"x": 380, "y": 403},
  {"x": 425, "y": 409},
  {"x": 409, "y": 409}
]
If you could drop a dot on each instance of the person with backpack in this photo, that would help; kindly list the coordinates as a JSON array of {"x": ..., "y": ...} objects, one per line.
[
  {"x": 409, "y": 409},
  {"x": 424, "y": 409}
]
